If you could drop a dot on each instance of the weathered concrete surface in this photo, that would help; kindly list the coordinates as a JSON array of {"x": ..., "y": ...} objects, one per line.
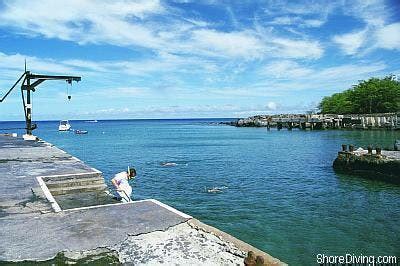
[
  {"x": 20, "y": 163},
  {"x": 179, "y": 245},
  {"x": 41, "y": 237}
]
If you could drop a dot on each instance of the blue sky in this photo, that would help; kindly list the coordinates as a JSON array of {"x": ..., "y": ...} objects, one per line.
[{"x": 180, "y": 59}]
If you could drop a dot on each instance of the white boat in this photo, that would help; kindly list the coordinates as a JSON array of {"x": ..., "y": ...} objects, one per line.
[{"x": 64, "y": 125}]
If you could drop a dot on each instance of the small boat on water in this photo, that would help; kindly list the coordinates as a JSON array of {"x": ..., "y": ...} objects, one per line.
[
  {"x": 64, "y": 125},
  {"x": 92, "y": 121},
  {"x": 81, "y": 131}
]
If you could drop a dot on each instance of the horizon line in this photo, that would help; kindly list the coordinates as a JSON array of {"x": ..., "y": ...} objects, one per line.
[{"x": 112, "y": 119}]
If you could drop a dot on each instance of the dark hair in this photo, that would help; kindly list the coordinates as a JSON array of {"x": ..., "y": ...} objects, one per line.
[{"x": 132, "y": 172}]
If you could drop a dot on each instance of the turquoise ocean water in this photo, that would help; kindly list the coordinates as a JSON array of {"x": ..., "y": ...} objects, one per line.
[{"x": 279, "y": 191}]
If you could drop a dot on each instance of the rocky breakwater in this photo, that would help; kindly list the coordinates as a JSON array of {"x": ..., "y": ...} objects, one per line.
[
  {"x": 370, "y": 163},
  {"x": 388, "y": 121}
]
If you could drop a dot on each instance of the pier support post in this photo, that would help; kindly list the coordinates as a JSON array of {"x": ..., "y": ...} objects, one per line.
[
  {"x": 369, "y": 150},
  {"x": 344, "y": 147},
  {"x": 378, "y": 151},
  {"x": 351, "y": 148}
]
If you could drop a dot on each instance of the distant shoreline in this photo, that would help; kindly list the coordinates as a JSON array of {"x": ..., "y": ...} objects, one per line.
[{"x": 128, "y": 119}]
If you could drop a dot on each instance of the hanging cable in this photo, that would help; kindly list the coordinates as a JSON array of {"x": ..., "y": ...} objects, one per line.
[{"x": 68, "y": 89}]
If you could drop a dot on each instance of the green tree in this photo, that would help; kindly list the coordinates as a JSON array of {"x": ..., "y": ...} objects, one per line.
[{"x": 372, "y": 96}]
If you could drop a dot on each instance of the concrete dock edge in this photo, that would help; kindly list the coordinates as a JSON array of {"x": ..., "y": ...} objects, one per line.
[{"x": 269, "y": 260}]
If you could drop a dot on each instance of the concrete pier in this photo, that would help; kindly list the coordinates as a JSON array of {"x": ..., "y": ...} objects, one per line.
[
  {"x": 41, "y": 187},
  {"x": 372, "y": 163}
]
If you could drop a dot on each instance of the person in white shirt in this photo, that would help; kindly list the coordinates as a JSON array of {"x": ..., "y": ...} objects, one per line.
[{"x": 120, "y": 182}]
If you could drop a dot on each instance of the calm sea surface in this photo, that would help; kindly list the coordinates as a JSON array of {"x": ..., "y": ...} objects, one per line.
[{"x": 279, "y": 192}]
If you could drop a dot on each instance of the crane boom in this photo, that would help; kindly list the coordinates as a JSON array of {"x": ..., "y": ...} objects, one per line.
[{"x": 29, "y": 83}]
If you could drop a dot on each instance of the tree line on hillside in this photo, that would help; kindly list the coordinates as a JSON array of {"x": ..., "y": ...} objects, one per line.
[{"x": 371, "y": 96}]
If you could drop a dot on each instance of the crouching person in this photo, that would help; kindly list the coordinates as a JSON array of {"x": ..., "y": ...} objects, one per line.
[{"x": 120, "y": 182}]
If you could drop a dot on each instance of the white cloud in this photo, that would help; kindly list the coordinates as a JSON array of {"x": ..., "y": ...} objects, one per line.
[
  {"x": 307, "y": 7},
  {"x": 350, "y": 43},
  {"x": 119, "y": 92},
  {"x": 388, "y": 37},
  {"x": 289, "y": 76},
  {"x": 285, "y": 69},
  {"x": 370, "y": 39},
  {"x": 249, "y": 91},
  {"x": 296, "y": 14},
  {"x": 185, "y": 57},
  {"x": 83, "y": 21},
  {"x": 272, "y": 106},
  {"x": 349, "y": 72},
  {"x": 149, "y": 25},
  {"x": 242, "y": 44},
  {"x": 285, "y": 20},
  {"x": 161, "y": 63},
  {"x": 205, "y": 110},
  {"x": 298, "y": 21},
  {"x": 314, "y": 22},
  {"x": 378, "y": 33},
  {"x": 297, "y": 48},
  {"x": 372, "y": 12},
  {"x": 15, "y": 63}
]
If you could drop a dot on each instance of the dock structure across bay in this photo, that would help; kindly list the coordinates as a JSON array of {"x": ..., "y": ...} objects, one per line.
[
  {"x": 53, "y": 205},
  {"x": 322, "y": 121}
]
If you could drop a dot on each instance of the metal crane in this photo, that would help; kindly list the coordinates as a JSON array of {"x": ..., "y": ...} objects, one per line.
[{"x": 29, "y": 83}]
